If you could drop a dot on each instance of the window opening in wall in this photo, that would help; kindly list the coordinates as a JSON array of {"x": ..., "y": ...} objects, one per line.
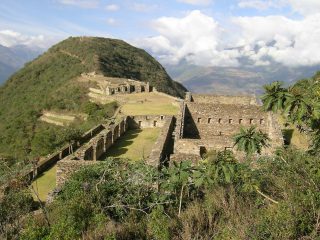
[
  {"x": 209, "y": 120},
  {"x": 228, "y": 148},
  {"x": 154, "y": 123},
  {"x": 240, "y": 121},
  {"x": 261, "y": 121},
  {"x": 220, "y": 133},
  {"x": 199, "y": 120},
  {"x": 161, "y": 117},
  {"x": 219, "y": 120},
  {"x": 118, "y": 89},
  {"x": 139, "y": 123},
  {"x": 203, "y": 151},
  {"x": 147, "y": 117},
  {"x": 142, "y": 89},
  {"x": 230, "y": 121},
  {"x": 251, "y": 120}
]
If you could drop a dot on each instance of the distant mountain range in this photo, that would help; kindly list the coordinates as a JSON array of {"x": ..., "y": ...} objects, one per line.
[
  {"x": 13, "y": 58},
  {"x": 220, "y": 80},
  {"x": 235, "y": 80}
]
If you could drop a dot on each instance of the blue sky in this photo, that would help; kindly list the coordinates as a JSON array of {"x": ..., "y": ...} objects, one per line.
[
  {"x": 125, "y": 19},
  {"x": 196, "y": 30}
]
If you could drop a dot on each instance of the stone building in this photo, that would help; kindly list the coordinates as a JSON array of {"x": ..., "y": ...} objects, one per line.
[
  {"x": 110, "y": 86},
  {"x": 208, "y": 122},
  {"x": 126, "y": 86}
]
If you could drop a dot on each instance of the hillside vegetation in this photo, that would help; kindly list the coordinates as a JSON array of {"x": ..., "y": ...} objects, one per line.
[
  {"x": 271, "y": 197},
  {"x": 50, "y": 83}
]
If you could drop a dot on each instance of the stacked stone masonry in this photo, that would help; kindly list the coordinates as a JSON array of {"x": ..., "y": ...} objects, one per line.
[
  {"x": 208, "y": 122},
  {"x": 164, "y": 144},
  {"x": 113, "y": 86}
]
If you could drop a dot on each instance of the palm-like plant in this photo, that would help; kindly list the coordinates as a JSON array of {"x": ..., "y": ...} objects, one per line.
[
  {"x": 251, "y": 141},
  {"x": 298, "y": 108},
  {"x": 275, "y": 97}
]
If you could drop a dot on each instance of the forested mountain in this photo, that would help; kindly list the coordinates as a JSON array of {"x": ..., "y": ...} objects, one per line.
[{"x": 50, "y": 83}]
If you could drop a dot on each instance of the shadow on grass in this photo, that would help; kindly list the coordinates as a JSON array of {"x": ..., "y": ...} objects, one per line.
[{"x": 122, "y": 144}]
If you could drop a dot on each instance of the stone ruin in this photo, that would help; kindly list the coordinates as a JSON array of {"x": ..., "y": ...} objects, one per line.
[
  {"x": 96, "y": 148},
  {"x": 208, "y": 122},
  {"x": 109, "y": 86},
  {"x": 204, "y": 123}
]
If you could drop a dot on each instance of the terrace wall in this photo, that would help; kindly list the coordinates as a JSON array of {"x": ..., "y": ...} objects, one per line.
[
  {"x": 147, "y": 121},
  {"x": 164, "y": 145},
  {"x": 66, "y": 168}
]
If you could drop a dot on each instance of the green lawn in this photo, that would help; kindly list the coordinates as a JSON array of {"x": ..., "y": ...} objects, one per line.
[
  {"x": 135, "y": 144},
  {"x": 45, "y": 183},
  {"x": 148, "y": 104}
]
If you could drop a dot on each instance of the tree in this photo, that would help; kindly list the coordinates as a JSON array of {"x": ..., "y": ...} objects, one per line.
[
  {"x": 299, "y": 104},
  {"x": 275, "y": 97},
  {"x": 251, "y": 141},
  {"x": 72, "y": 135}
]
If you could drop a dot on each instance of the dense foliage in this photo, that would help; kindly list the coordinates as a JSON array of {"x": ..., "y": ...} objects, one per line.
[
  {"x": 299, "y": 104},
  {"x": 219, "y": 198}
]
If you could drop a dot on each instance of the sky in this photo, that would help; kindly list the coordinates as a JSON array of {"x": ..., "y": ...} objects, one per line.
[{"x": 202, "y": 32}]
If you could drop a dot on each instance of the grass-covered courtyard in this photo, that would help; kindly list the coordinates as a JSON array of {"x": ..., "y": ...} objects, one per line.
[
  {"x": 45, "y": 183},
  {"x": 135, "y": 144},
  {"x": 148, "y": 104}
]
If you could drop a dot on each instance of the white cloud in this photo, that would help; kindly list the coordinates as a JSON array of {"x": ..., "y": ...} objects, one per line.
[
  {"x": 10, "y": 38},
  {"x": 112, "y": 7},
  {"x": 258, "y": 4},
  {"x": 141, "y": 7},
  {"x": 111, "y": 21},
  {"x": 305, "y": 7},
  {"x": 201, "y": 40},
  {"x": 287, "y": 41},
  {"x": 196, "y": 2},
  {"x": 195, "y": 37},
  {"x": 81, "y": 3}
]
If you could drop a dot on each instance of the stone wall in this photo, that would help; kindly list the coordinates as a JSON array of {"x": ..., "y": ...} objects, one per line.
[
  {"x": 92, "y": 132},
  {"x": 220, "y": 99},
  {"x": 206, "y": 121},
  {"x": 108, "y": 140},
  {"x": 66, "y": 168},
  {"x": 98, "y": 145},
  {"x": 64, "y": 152},
  {"x": 99, "y": 148},
  {"x": 147, "y": 121},
  {"x": 163, "y": 147},
  {"x": 92, "y": 151}
]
